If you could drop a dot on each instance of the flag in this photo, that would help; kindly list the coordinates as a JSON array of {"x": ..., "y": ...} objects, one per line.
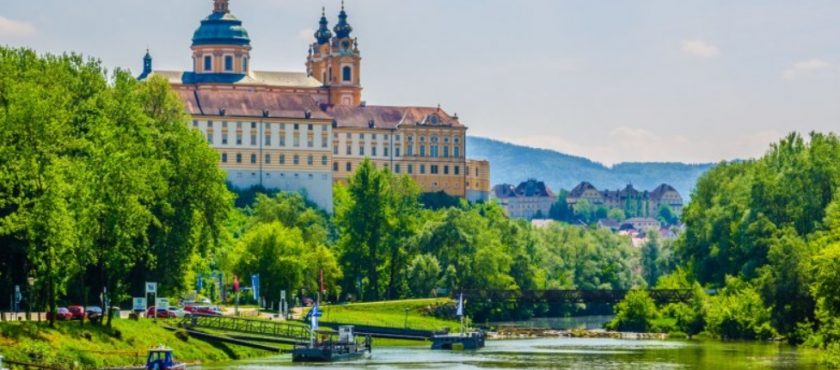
[
  {"x": 460, "y": 310},
  {"x": 255, "y": 286},
  {"x": 235, "y": 283},
  {"x": 313, "y": 316}
]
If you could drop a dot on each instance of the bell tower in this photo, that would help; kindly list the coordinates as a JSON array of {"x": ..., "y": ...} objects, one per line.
[{"x": 335, "y": 60}]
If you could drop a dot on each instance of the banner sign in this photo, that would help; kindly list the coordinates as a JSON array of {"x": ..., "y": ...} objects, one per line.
[
  {"x": 255, "y": 285},
  {"x": 138, "y": 303}
]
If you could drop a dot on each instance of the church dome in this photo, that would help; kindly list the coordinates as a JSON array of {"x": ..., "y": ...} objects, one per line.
[{"x": 221, "y": 28}]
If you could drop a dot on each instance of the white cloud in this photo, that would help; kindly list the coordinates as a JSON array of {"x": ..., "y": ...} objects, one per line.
[
  {"x": 805, "y": 67},
  {"x": 700, "y": 48},
  {"x": 10, "y": 28}
]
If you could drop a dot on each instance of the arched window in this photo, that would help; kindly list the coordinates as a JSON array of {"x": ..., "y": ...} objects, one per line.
[
  {"x": 347, "y": 73},
  {"x": 208, "y": 63},
  {"x": 244, "y": 64}
]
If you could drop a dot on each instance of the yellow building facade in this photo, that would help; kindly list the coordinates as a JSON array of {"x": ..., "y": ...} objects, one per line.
[{"x": 303, "y": 131}]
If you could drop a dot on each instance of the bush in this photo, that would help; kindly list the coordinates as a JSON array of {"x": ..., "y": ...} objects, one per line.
[
  {"x": 115, "y": 333},
  {"x": 739, "y": 313},
  {"x": 831, "y": 357},
  {"x": 182, "y": 334},
  {"x": 689, "y": 317},
  {"x": 635, "y": 313},
  {"x": 677, "y": 335}
]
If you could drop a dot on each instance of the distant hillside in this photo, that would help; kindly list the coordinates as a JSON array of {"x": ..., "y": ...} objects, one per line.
[{"x": 511, "y": 163}]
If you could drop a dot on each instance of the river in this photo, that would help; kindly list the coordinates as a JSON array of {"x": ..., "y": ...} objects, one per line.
[{"x": 566, "y": 353}]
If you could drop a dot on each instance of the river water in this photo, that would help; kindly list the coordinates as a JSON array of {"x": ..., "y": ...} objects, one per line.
[{"x": 565, "y": 353}]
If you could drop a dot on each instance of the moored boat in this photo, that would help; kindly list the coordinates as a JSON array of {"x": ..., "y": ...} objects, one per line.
[
  {"x": 327, "y": 349},
  {"x": 464, "y": 339},
  {"x": 346, "y": 347},
  {"x": 160, "y": 358}
]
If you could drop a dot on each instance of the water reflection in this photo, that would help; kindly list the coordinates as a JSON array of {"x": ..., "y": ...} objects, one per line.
[{"x": 565, "y": 353}]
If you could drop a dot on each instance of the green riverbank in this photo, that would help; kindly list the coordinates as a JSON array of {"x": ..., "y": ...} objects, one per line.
[
  {"x": 71, "y": 345},
  {"x": 420, "y": 314}
]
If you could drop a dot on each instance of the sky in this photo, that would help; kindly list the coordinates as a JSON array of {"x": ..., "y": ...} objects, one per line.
[{"x": 613, "y": 81}]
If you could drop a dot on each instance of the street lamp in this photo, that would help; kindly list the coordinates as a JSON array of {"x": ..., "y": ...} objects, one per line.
[{"x": 31, "y": 281}]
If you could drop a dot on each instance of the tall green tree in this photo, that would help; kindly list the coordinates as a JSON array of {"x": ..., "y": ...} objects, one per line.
[
  {"x": 44, "y": 103},
  {"x": 363, "y": 220}
]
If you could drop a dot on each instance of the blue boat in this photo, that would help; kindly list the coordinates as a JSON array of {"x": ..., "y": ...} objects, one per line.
[{"x": 160, "y": 358}]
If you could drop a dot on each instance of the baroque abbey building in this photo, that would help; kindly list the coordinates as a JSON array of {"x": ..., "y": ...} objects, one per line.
[{"x": 302, "y": 131}]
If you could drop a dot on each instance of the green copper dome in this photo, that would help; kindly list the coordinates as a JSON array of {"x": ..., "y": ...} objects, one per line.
[{"x": 221, "y": 28}]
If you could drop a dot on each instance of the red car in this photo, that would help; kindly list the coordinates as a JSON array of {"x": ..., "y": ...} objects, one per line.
[
  {"x": 77, "y": 312},
  {"x": 161, "y": 313},
  {"x": 203, "y": 310},
  {"x": 61, "y": 314}
]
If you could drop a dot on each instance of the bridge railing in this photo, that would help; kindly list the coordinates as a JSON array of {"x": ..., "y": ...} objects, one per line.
[
  {"x": 249, "y": 326},
  {"x": 573, "y": 295}
]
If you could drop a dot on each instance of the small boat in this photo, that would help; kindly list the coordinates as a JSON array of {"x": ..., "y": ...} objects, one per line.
[
  {"x": 346, "y": 348},
  {"x": 470, "y": 340},
  {"x": 160, "y": 358},
  {"x": 462, "y": 340}
]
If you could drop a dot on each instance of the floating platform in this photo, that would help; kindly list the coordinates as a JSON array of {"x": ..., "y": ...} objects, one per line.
[{"x": 471, "y": 340}]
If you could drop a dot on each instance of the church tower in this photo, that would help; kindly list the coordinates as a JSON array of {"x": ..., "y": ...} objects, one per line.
[
  {"x": 334, "y": 59},
  {"x": 221, "y": 46}
]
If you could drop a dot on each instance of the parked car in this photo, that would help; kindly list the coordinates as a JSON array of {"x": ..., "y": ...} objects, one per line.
[
  {"x": 161, "y": 313},
  {"x": 204, "y": 310},
  {"x": 61, "y": 314},
  {"x": 178, "y": 312},
  {"x": 77, "y": 312},
  {"x": 94, "y": 313}
]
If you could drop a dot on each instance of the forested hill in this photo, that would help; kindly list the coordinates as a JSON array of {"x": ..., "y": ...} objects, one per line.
[{"x": 511, "y": 163}]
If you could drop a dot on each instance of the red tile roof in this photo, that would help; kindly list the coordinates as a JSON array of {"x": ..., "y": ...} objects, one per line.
[
  {"x": 390, "y": 117},
  {"x": 250, "y": 103}
]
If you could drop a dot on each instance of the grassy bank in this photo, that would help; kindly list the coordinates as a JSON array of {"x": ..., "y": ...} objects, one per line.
[
  {"x": 411, "y": 313},
  {"x": 71, "y": 345}
]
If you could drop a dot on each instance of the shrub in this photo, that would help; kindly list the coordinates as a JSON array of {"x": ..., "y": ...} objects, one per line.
[
  {"x": 116, "y": 333},
  {"x": 677, "y": 335},
  {"x": 182, "y": 334},
  {"x": 739, "y": 313},
  {"x": 635, "y": 312},
  {"x": 831, "y": 357}
]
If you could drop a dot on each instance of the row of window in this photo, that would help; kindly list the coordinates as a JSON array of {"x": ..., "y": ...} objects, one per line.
[
  {"x": 434, "y": 151},
  {"x": 281, "y": 159},
  {"x": 434, "y": 169},
  {"x": 267, "y": 140},
  {"x": 283, "y": 174},
  {"x": 268, "y": 125},
  {"x": 227, "y": 61},
  {"x": 433, "y": 139}
]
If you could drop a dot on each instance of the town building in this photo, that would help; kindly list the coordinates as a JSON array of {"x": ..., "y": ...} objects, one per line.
[
  {"x": 303, "y": 131},
  {"x": 530, "y": 199},
  {"x": 637, "y": 203}
]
